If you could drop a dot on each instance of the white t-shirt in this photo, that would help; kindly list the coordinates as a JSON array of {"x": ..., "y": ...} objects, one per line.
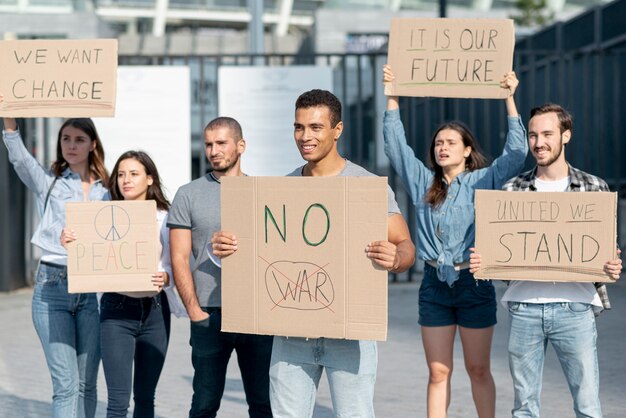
[{"x": 548, "y": 292}]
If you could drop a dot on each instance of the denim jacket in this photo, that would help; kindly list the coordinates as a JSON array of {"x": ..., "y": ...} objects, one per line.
[
  {"x": 68, "y": 188},
  {"x": 445, "y": 233}
]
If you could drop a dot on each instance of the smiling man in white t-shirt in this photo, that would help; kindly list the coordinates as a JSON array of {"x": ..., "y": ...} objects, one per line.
[{"x": 559, "y": 312}]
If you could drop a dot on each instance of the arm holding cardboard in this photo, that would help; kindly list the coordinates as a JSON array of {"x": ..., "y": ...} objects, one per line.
[
  {"x": 510, "y": 82},
  {"x": 612, "y": 268},
  {"x": 474, "y": 261},
  {"x": 223, "y": 243},
  {"x": 397, "y": 254},
  {"x": 10, "y": 124},
  {"x": 180, "y": 250}
]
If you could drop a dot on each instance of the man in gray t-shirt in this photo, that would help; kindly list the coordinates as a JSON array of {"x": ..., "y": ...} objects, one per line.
[
  {"x": 193, "y": 218},
  {"x": 297, "y": 363}
]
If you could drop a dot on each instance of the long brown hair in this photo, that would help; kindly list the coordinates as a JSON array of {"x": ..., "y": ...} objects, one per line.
[
  {"x": 155, "y": 192},
  {"x": 96, "y": 158},
  {"x": 438, "y": 191}
]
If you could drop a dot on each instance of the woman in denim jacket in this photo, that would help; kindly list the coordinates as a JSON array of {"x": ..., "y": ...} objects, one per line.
[
  {"x": 67, "y": 324},
  {"x": 135, "y": 326},
  {"x": 449, "y": 297}
]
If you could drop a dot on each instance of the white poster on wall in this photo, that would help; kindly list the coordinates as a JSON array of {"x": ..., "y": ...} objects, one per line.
[
  {"x": 262, "y": 99},
  {"x": 153, "y": 115}
]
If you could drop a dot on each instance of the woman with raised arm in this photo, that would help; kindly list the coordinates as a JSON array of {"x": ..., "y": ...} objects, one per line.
[
  {"x": 449, "y": 296},
  {"x": 67, "y": 324}
]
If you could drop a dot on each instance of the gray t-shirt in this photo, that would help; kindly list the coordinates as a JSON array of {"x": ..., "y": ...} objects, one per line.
[
  {"x": 353, "y": 170},
  {"x": 196, "y": 207}
]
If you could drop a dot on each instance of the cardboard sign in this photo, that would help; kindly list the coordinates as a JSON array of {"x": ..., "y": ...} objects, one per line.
[
  {"x": 116, "y": 249},
  {"x": 563, "y": 237},
  {"x": 58, "y": 78},
  {"x": 300, "y": 268},
  {"x": 450, "y": 57}
]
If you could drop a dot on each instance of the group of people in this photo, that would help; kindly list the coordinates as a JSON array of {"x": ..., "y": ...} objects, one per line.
[{"x": 130, "y": 331}]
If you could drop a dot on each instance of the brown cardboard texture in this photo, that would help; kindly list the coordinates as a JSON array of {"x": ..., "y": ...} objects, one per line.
[
  {"x": 116, "y": 248},
  {"x": 450, "y": 57},
  {"x": 300, "y": 268},
  {"x": 58, "y": 78},
  {"x": 551, "y": 236}
]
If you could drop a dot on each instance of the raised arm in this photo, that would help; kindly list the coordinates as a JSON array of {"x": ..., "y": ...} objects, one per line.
[
  {"x": 392, "y": 101},
  {"x": 32, "y": 174},
  {"x": 510, "y": 83},
  {"x": 415, "y": 176}
]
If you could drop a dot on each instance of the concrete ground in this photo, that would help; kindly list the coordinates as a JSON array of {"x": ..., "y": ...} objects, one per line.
[{"x": 25, "y": 388}]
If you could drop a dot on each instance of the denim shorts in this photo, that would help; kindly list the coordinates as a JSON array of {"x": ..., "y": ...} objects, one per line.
[{"x": 468, "y": 302}]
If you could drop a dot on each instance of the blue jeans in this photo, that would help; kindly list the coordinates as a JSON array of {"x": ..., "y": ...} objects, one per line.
[
  {"x": 210, "y": 351},
  {"x": 133, "y": 330},
  {"x": 571, "y": 329},
  {"x": 69, "y": 331},
  {"x": 296, "y": 369}
]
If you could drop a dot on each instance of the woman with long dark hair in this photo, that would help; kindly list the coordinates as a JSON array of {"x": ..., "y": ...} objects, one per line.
[
  {"x": 135, "y": 326},
  {"x": 449, "y": 296},
  {"x": 67, "y": 324}
]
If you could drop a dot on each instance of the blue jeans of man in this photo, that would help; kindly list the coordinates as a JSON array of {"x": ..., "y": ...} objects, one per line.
[
  {"x": 69, "y": 330},
  {"x": 296, "y": 369},
  {"x": 210, "y": 351},
  {"x": 571, "y": 329},
  {"x": 133, "y": 330}
]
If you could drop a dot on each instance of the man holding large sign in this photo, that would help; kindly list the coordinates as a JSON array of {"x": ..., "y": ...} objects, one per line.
[
  {"x": 297, "y": 363},
  {"x": 567, "y": 306}
]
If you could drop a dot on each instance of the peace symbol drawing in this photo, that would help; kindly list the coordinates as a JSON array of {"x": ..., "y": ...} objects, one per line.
[{"x": 112, "y": 223}]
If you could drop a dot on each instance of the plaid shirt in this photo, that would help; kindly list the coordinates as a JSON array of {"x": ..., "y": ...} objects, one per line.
[{"x": 579, "y": 182}]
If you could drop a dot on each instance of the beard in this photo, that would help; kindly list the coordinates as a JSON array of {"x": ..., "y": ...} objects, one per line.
[
  {"x": 227, "y": 164},
  {"x": 552, "y": 158}
]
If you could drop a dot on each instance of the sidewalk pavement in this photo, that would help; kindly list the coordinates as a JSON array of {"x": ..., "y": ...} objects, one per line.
[{"x": 25, "y": 388}]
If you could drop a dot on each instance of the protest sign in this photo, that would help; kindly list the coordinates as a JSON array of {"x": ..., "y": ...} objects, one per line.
[
  {"x": 551, "y": 236},
  {"x": 450, "y": 57},
  {"x": 300, "y": 268},
  {"x": 116, "y": 246},
  {"x": 58, "y": 78}
]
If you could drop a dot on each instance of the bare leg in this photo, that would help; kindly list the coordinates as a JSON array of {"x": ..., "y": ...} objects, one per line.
[
  {"x": 477, "y": 355},
  {"x": 438, "y": 346}
]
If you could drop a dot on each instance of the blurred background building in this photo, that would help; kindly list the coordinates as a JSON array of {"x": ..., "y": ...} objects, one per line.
[{"x": 568, "y": 51}]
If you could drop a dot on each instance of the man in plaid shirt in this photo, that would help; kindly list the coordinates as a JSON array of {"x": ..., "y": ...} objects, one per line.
[{"x": 559, "y": 312}]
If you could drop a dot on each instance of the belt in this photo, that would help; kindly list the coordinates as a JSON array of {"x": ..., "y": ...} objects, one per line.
[
  {"x": 49, "y": 264},
  {"x": 458, "y": 267}
]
